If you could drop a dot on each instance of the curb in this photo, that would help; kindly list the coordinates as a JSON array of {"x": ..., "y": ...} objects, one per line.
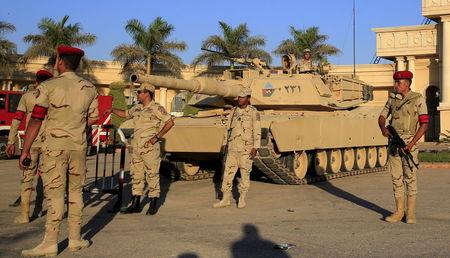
[{"x": 434, "y": 165}]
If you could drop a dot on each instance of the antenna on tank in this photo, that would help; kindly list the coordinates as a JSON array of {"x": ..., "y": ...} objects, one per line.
[{"x": 354, "y": 40}]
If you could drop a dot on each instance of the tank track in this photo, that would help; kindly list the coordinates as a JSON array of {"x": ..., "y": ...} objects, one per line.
[{"x": 279, "y": 173}]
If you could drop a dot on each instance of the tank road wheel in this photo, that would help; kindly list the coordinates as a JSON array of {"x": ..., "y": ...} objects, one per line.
[
  {"x": 372, "y": 157},
  {"x": 300, "y": 164},
  {"x": 188, "y": 168},
  {"x": 348, "y": 158},
  {"x": 321, "y": 162},
  {"x": 382, "y": 156},
  {"x": 360, "y": 159},
  {"x": 334, "y": 160}
]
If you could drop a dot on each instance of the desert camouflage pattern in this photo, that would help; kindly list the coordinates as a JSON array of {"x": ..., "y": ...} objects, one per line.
[
  {"x": 306, "y": 66},
  {"x": 26, "y": 186},
  {"x": 26, "y": 104},
  {"x": 70, "y": 100},
  {"x": 146, "y": 158},
  {"x": 56, "y": 167},
  {"x": 244, "y": 130},
  {"x": 404, "y": 113}
]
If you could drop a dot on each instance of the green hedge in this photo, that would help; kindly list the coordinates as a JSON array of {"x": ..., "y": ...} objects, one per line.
[
  {"x": 441, "y": 156},
  {"x": 119, "y": 101}
]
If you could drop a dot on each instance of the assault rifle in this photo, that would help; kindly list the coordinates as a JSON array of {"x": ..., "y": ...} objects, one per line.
[
  {"x": 398, "y": 144},
  {"x": 252, "y": 62}
]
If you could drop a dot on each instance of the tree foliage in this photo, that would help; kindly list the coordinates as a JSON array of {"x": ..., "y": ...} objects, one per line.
[
  {"x": 54, "y": 33},
  {"x": 233, "y": 42},
  {"x": 151, "y": 46},
  {"x": 8, "y": 50},
  {"x": 309, "y": 38}
]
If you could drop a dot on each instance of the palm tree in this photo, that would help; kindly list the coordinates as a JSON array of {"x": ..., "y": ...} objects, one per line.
[
  {"x": 7, "y": 48},
  {"x": 53, "y": 34},
  {"x": 234, "y": 42},
  {"x": 309, "y": 38},
  {"x": 151, "y": 46}
]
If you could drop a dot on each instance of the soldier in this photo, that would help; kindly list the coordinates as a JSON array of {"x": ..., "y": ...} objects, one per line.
[
  {"x": 306, "y": 65},
  {"x": 408, "y": 115},
  {"x": 243, "y": 138},
  {"x": 69, "y": 104},
  {"x": 26, "y": 104},
  {"x": 151, "y": 122}
]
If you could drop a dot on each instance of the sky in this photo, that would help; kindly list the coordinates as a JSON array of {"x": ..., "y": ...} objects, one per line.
[{"x": 195, "y": 20}]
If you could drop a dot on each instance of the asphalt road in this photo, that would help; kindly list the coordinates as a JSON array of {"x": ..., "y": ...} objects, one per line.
[{"x": 339, "y": 218}]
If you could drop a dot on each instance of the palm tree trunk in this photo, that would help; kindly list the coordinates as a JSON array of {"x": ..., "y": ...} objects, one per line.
[{"x": 149, "y": 64}]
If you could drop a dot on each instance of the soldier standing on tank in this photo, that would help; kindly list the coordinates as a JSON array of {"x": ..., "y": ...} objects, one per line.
[
  {"x": 151, "y": 122},
  {"x": 306, "y": 65},
  {"x": 68, "y": 103},
  {"x": 243, "y": 138},
  {"x": 26, "y": 104},
  {"x": 409, "y": 117}
]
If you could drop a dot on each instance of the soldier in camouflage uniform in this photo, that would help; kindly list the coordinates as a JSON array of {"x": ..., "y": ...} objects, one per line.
[
  {"x": 26, "y": 104},
  {"x": 408, "y": 115},
  {"x": 306, "y": 65},
  {"x": 151, "y": 122},
  {"x": 243, "y": 138},
  {"x": 68, "y": 103}
]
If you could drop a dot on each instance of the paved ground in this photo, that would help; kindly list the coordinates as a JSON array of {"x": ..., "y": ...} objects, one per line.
[{"x": 336, "y": 218}]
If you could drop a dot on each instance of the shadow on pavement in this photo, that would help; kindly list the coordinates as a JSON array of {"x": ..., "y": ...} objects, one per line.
[
  {"x": 330, "y": 188},
  {"x": 252, "y": 245},
  {"x": 164, "y": 183},
  {"x": 188, "y": 255},
  {"x": 104, "y": 216}
]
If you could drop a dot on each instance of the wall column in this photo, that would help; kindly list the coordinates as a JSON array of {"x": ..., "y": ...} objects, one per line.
[
  {"x": 163, "y": 97},
  {"x": 400, "y": 63},
  {"x": 444, "y": 105},
  {"x": 412, "y": 68}
]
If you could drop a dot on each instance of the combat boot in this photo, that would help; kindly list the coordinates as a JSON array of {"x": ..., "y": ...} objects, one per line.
[
  {"x": 153, "y": 206},
  {"x": 23, "y": 218},
  {"x": 75, "y": 241},
  {"x": 48, "y": 247},
  {"x": 241, "y": 202},
  {"x": 225, "y": 202},
  {"x": 135, "y": 205},
  {"x": 411, "y": 210},
  {"x": 75, "y": 245},
  {"x": 400, "y": 211}
]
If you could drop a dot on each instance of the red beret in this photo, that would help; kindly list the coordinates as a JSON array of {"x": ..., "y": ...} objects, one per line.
[
  {"x": 44, "y": 73},
  {"x": 402, "y": 75},
  {"x": 68, "y": 50}
]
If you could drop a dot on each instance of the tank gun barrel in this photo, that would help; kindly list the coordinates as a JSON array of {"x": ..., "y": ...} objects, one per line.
[{"x": 230, "y": 88}]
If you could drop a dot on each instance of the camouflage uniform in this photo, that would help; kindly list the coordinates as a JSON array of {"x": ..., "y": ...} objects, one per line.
[
  {"x": 146, "y": 158},
  {"x": 404, "y": 113},
  {"x": 26, "y": 104},
  {"x": 243, "y": 135},
  {"x": 69, "y": 101},
  {"x": 306, "y": 66}
]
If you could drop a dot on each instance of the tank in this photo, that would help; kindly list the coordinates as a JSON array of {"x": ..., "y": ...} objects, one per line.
[{"x": 315, "y": 126}]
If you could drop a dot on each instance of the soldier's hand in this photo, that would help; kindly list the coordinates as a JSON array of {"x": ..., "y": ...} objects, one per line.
[
  {"x": 252, "y": 153},
  {"x": 386, "y": 132},
  {"x": 23, "y": 156},
  {"x": 10, "y": 150},
  {"x": 408, "y": 148}
]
